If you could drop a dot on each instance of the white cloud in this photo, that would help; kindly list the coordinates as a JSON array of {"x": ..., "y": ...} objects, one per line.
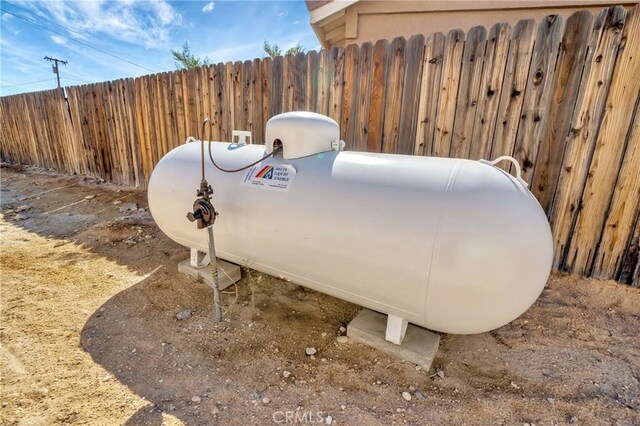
[
  {"x": 144, "y": 23},
  {"x": 208, "y": 7},
  {"x": 58, "y": 40}
]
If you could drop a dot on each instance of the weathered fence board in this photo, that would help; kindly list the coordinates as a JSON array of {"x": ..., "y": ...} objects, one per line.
[
  {"x": 587, "y": 115},
  {"x": 450, "y": 80},
  {"x": 608, "y": 154},
  {"x": 513, "y": 87},
  {"x": 561, "y": 97},
  {"x": 495, "y": 61},
  {"x": 470, "y": 79},
  {"x": 429, "y": 93}
]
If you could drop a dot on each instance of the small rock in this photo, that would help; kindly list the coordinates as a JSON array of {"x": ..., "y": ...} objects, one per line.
[
  {"x": 266, "y": 400},
  {"x": 324, "y": 334},
  {"x": 128, "y": 207},
  {"x": 440, "y": 373},
  {"x": 23, "y": 208},
  {"x": 343, "y": 339},
  {"x": 418, "y": 368},
  {"x": 117, "y": 202},
  {"x": 129, "y": 241},
  {"x": 551, "y": 400},
  {"x": 328, "y": 420},
  {"x": 215, "y": 411},
  {"x": 342, "y": 329},
  {"x": 514, "y": 385},
  {"x": 406, "y": 395},
  {"x": 286, "y": 374},
  {"x": 183, "y": 315},
  {"x": 418, "y": 394},
  {"x": 310, "y": 351},
  {"x": 21, "y": 216},
  {"x": 89, "y": 197},
  {"x": 343, "y": 407},
  {"x": 196, "y": 398},
  {"x": 573, "y": 419}
]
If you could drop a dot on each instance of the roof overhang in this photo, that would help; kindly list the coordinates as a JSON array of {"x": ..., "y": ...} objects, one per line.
[{"x": 328, "y": 20}]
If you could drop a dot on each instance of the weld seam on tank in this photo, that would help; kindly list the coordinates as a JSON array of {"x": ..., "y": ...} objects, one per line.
[{"x": 436, "y": 241}]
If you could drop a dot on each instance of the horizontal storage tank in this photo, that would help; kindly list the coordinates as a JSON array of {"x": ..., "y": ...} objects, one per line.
[{"x": 456, "y": 246}]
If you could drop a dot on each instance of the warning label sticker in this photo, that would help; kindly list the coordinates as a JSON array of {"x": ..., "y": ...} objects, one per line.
[{"x": 276, "y": 177}]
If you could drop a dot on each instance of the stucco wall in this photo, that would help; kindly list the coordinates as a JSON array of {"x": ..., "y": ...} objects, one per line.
[{"x": 374, "y": 20}]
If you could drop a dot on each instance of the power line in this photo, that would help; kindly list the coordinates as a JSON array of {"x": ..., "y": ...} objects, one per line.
[
  {"x": 77, "y": 41},
  {"x": 27, "y": 83}
]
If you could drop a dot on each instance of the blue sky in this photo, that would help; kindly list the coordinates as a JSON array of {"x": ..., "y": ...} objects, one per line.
[{"x": 140, "y": 32}]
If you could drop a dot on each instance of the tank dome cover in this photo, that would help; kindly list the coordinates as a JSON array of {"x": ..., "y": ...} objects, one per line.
[{"x": 302, "y": 134}]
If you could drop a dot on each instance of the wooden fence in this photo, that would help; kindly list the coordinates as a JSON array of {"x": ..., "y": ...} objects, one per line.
[{"x": 561, "y": 97}]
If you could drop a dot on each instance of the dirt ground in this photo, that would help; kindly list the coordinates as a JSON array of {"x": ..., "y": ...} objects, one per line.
[{"x": 89, "y": 335}]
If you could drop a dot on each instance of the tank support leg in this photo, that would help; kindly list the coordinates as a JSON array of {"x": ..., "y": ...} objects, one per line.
[
  {"x": 199, "y": 259},
  {"x": 396, "y": 329}
]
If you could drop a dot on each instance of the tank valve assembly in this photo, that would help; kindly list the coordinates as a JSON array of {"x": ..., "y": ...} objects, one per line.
[
  {"x": 203, "y": 211},
  {"x": 205, "y": 215}
]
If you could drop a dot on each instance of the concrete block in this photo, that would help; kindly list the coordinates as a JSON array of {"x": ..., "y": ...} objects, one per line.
[
  {"x": 419, "y": 345},
  {"x": 231, "y": 274}
]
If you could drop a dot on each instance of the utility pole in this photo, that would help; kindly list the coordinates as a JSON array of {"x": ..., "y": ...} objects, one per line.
[{"x": 56, "y": 71}]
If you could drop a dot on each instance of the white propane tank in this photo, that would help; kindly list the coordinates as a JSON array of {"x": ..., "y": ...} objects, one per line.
[{"x": 456, "y": 246}]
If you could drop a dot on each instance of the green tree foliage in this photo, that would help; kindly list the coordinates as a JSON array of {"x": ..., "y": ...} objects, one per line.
[
  {"x": 274, "y": 50},
  {"x": 185, "y": 59}
]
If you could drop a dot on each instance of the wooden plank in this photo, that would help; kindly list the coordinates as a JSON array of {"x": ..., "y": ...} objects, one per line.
[
  {"x": 630, "y": 270},
  {"x": 134, "y": 143},
  {"x": 322, "y": 99},
  {"x": 350, "y": 97},
  {"x": 276, "y": 94},
  {"x": 365, "y": 71},
  {"x": 300, "y": 81},
  {"x": 178, "y": 96},
  {"x": 468, "y": 92},
  {"x": 214, "y": 101},
  {"x": 573, "y": 48},
  {"x": 393, "y": 95},
  {"x": 411, "y": 95},
  {"x": 247, "y": 76},
  {"x": 205, "y": 109},
  {"x": 621, "y": 217},
  {"x": 603, "y": 171},
  {"x": 257, "y": 125},
  {"x": 311, "y": 88},
  {"x": 513, "y": 87},
  {"x": 585, "y": 123},
  {"x": 336, "y": 83},
  {"x": 230, "y": 100},
  {"x": 266, "y": 70},
  {"x": 288, "y": 84},
  {"x": 495, "y": 62},
  {"x": 445, "y": 115},
  {"x": 376, "y": 109},
  {"x": 429, "y": 93},
  {"x": 225, "y": 101},
  {"x": 534, "y": 117}
]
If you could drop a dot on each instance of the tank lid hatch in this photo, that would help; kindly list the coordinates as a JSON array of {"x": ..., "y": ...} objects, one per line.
[{"x": 302, "y": 134}]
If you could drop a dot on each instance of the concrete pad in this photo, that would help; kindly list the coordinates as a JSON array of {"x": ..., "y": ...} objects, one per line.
[
  {"x": 419, "y": 345},
  {"x": 231, "y": 274}
]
